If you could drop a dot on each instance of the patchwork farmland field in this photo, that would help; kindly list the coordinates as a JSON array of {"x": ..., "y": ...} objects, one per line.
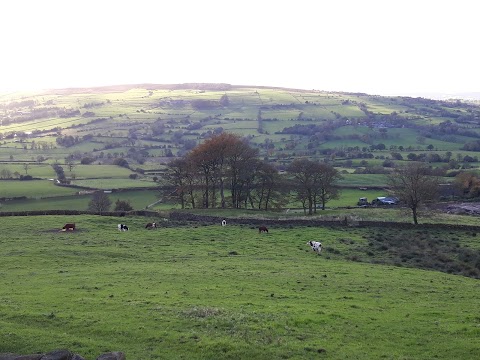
[{"x": 123, "y": 136}]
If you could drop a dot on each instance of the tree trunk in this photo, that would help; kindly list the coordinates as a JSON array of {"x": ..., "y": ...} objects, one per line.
[
  {"x": 222, "y": 194},
  {"x": 310, "y": 206},
  {"x": 182, "y": 199},
  {"x": 414, "y": 212},
  {"x": 267, "y": 199},
  {"x": 206, "y": 193},
  {"x": 192, "y": 199}
]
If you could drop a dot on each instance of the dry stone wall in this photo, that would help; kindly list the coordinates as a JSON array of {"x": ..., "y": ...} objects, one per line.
[{"x": 337, "y": 222}]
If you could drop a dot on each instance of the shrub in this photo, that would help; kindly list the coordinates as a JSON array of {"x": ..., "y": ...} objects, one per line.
[
  {"x": 122, "y": 205},
  {"x": 121, "y": 162},
  {"x": 87, "y": 160}
]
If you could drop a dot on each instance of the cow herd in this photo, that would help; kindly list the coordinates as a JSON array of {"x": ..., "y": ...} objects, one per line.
[
  {"x": 315, "y": 245},
  {"x": 120, "y": 227}
]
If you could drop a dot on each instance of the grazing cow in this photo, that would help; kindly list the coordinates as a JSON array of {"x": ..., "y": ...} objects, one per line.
[
  {"x": 122, "y": 227},
  {"x": 151, "y": 226},
  {"x": 262, "y": 229},
  {"x": 316, "y": 246},
  {"x": 224, "y": 222},
  {"x": 68, "y": 227}
]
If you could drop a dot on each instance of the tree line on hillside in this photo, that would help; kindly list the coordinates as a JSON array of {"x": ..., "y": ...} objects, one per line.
[{"x": 226, "y": 172}]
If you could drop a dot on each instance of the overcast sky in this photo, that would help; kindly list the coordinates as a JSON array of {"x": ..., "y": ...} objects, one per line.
[{"x": 375, "y": 46}]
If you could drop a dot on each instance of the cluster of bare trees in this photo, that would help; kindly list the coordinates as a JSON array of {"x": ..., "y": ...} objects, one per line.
[
  {"x": 226, "y": 172},
  {"x": 315, "y": 183}
]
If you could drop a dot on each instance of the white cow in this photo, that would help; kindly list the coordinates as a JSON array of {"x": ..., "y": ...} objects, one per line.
[
  {"x": 224, "y": 222},
  {"x": 122, "y": 227},
  {"x": 316, "y": 246}
]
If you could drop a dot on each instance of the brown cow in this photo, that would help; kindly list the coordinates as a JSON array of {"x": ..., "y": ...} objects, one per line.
[
  {"x": 262, "y": 229},
  {"x": 151, "y": 226},
  {"x": 68, "y": 227}
]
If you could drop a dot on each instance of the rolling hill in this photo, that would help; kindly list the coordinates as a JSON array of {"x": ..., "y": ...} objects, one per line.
[{"x": 147, "y": 125}]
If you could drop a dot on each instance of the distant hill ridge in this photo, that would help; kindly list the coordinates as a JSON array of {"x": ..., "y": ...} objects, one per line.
[{"x": 180, "y": 86}]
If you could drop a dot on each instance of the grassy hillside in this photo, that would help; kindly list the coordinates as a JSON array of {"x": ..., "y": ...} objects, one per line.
[{"x": 204, "y": 292}]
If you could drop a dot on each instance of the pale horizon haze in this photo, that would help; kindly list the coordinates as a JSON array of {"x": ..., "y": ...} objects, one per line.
[{"x": 371, "y": 46}]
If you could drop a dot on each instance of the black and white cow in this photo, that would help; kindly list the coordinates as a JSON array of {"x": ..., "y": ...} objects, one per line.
[
  {"x": 68, "y": 227},
  {"x": 224, "y": 222},
  {"x": 122, "y": 227},
  {"x": 316, "y": 246}
]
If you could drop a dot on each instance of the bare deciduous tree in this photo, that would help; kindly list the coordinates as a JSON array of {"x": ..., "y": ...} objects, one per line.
[
  {"x": 325, "y": 180},
  {"x": 100, "y": 202},
  {"x": 314, "y": 181},
  {"x": 414, "y": 185}
]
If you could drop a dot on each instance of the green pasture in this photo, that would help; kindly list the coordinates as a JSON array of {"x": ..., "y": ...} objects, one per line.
[
  {"x": 273, "y": 126},
  {"x": 431, "y": 120},
  {"x": 394, "y": 136},
  {"x": 114, "y": 183},
  {"x": 98, "y": 171},
  {"x": 352, "y": 130},
  {"x": 33, "y": 189},
  {"x": 18, "y": 155},
  {"x": 139, "y": 199},
  {"x": 237, "y": 125},
  {"x": 33, "y": 169},
  {"x": 342, "y": 144},
  {"x": 347, "y": 110},
  {"x": 44, "y": 124},
  {"x": 383, "y": 109},
  {"x": 363, "y": 180},
  {"x": 83, "y": 147},
  {"x": 80, "y": 171},
  {"x": 209, "y": 292}
]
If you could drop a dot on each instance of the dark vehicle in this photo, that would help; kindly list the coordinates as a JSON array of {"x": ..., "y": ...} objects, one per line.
[{"x": 363, "y": 202}]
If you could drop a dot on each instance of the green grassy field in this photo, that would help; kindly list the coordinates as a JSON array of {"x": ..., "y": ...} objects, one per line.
[
  {"x": 99, "y": 171},
  {"x": 114, "y": 183},
  {"x": 44, "y": 171},
  {"x": 362, "y": 180},
  {"x": 33, "y": 189},
  {"x": 208, "y": 292},
  {"x": 139, "y": 199}
]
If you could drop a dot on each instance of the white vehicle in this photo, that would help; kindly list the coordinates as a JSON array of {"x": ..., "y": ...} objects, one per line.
[{"x": 384, "y": 200}]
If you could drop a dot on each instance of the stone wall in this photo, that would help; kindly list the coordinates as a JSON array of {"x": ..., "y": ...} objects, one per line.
[{"x": 345, "y": 221}]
